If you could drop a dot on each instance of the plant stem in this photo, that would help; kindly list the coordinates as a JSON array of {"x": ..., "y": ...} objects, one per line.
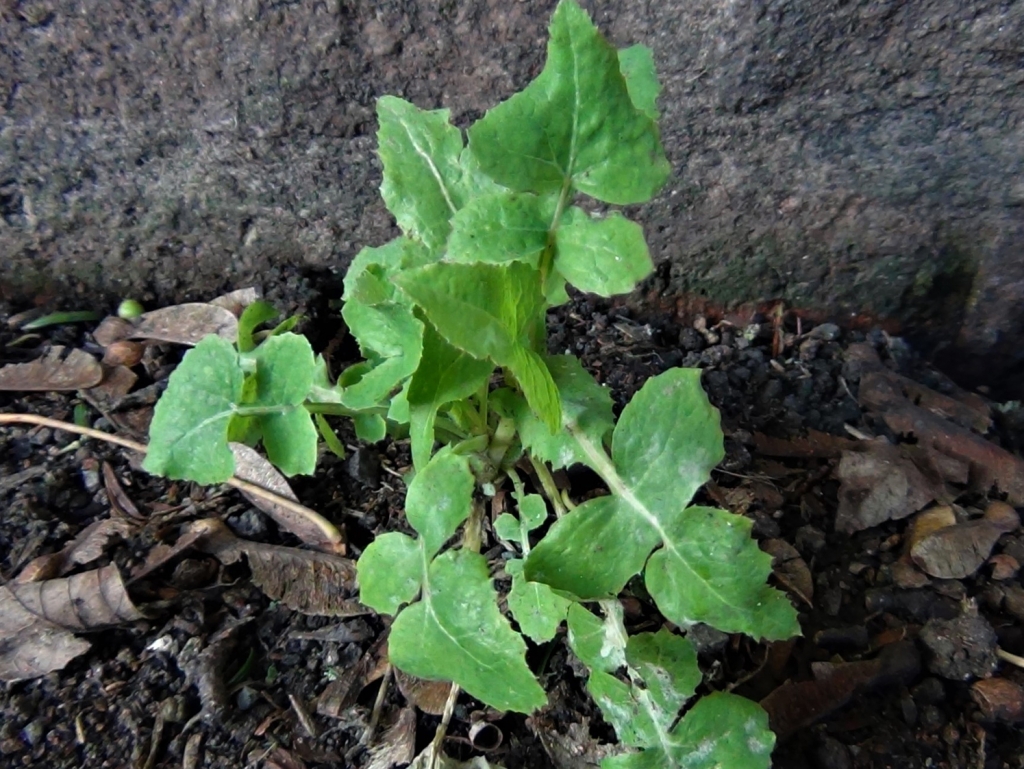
[
  {"x": 334, "y": 410},
  {"x": 335, "y": 541},
  {"x": 442, "y": 728},
  {"x": 547, "y": 481},
  {"x": 547, "y": 258}
]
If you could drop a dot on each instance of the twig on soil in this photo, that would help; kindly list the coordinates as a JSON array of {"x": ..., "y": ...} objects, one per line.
[
  {"x": 127, "y": 443},
  {"x": 378, "y": 705},
  {"x": 1013, "y": 659}
]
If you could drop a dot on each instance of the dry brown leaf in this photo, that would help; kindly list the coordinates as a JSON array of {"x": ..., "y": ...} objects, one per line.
[
  {"x": 120, "y": 503},
  {"x": 112, "y": 329},
  {"x": 428, "y": 696},
  {"x": 312, "y": 528},
  {"x": 38, "y": 620},
  {"x": 309, "y": 582},
  {"x": 90, "y": 544},
  {"x": 790, "y": 569},
  {"x": 398, "y": 743},
  {"x": 879, "y": 484},
  {"x": 798, "y": 704},
  {"x": 959, "y": 550},
  {"x": 117, "y": 382},
  {"x": 186, "y": 324},
  {"x": 54, "y": 372},
  {"x": 237, "y": 300}
]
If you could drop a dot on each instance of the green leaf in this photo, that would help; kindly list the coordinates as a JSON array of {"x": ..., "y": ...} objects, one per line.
[
  {"x": 445, "y": 374},
  {"x": 370, "y": 428},
  {"x": 390, "y": 333},
  {"x": 590, "y": 641},
  {"x": 502, "y": 227},
  {"x": 483, "y": 309},
  {"x": 367, "y": 279},
  {"x": 689, "y": 583},
  {"x": 455, "y": 632},
  {"x": 533, "y": 511},
  {"x": 506, "y": 526},
  {"x": 284, "y": 374},
  {"x": 667, "y": 665},
  {"x": 188, "y": 433},
  {"x": 621, "y": 707},
  {"x": 666, "y": 443},
  {"x": 574, "y": 125},
  {"x": 721, "y": 731},
  {"x": 538, "y": 387},
  {"x": 586, "y": 409},
  {"x": 290, "y": 441},
  {"x": 601, "y": 256},
  {"x": 591, "y": 552},
  {"x": 389, "y": 572},
  {"x": 440, "y": 498},
  {"x": 420, "y": 151},
  {"x": 330, "y": 437},
  {"x": 637, "y": 65},
  {"x": 323, "y": 390},
  {"x": 489, "y": 311},
  {"x": 537, "y": 609},
  {"x": 252, "y": 317}
]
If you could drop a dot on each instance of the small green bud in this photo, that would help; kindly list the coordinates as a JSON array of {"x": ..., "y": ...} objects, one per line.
[{"x": 129, "y": 308}]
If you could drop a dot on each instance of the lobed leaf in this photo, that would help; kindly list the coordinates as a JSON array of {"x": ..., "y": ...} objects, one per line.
[
  {"x": 285, "y": 369},
  {"x": 536, "y": 607},
  {"x": 489, "y": 311},
  {"x": 586, "y": 409},
  {"x": 189, "y": 431},
  {"x": 722, "y": 730},
  {"x": 445, "y": 374},
  {"x": 390, "y": 334},
  {"x": 601, "y": 256},
  {"x": 689, "y": 580},
  {"x": 637, "y": 66},
  {"x": 502, "y": 227},
  {"x": 420, "y": 151},
  {"x": 456, "y": 632},
  {"x": 663, "y": 449},
  {"x": 575, "y": 125},
  {"x": 440, "y": 498},
  {"x": 389, "y": 571}
]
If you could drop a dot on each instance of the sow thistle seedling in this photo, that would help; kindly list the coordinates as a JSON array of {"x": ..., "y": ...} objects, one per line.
[{"x": 450, "y": 318}]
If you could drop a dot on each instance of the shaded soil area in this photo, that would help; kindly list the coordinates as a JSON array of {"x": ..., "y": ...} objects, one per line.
[{"x": 896, "y": 667}]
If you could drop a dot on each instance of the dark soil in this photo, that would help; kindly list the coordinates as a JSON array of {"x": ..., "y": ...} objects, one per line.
[{"x": 141, "y": 690}]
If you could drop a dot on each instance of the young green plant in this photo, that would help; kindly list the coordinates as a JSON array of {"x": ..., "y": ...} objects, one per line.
[{"x": 450, "y": 318}]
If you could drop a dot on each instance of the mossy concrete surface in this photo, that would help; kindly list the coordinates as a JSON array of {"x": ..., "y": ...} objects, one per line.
[{"x": 853, "y": 156}]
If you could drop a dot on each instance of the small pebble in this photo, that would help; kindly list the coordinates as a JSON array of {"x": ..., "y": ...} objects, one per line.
[
  {"x": 706, "y": 639},
  {"x": 841, "y": 639},
  {"x": 832, "y": 754},
  {"x": 929, "y": 692},
  {"x": 960, "y": 649},
  {"x": 250, "y": 524},
  {"x": 246, "y": 698},
  {"x": 826, "y": 332},
  {"x": 810, "y": 540},
  {"x": 1013, "y": 601},
  {"x": 909, "y": 709},
  {"x": 33, "y": 731},
  {"x": 931, "y": 718}
]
